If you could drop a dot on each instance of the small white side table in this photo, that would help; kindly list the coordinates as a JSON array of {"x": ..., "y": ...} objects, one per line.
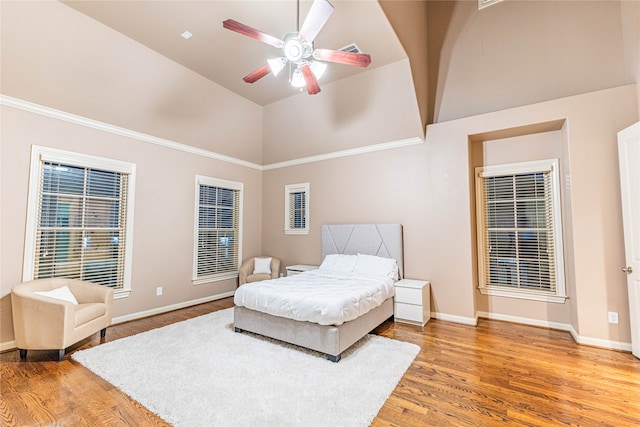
[
  {"x": 299, "y": 268},
  {"x": 412, "y": 301}
]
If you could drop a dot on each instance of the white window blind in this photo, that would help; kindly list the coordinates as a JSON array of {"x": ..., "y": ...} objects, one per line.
[
  {"x": 80, "y": 221},
  {"x": 218, "y": 219},
  {"x": 518, "y": 230},
  {"x": 296, "y": 208}
]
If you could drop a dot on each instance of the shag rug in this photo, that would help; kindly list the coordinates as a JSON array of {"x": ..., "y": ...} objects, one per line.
[{"x": 200, "y": 372}]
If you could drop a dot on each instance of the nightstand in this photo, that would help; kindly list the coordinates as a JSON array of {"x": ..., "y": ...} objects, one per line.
[
  {"x": 412, "y": 301},
  {"x": 299, "y": 268}
]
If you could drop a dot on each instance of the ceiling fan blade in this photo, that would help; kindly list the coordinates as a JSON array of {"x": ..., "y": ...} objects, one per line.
[
  {"x": 312, "y": 83},
  {"x": 318, "y": 15},
  {"x": 246, "y": 30},
  {"x": 340, "y": 57},
  {"x": 257, "y": 74}
]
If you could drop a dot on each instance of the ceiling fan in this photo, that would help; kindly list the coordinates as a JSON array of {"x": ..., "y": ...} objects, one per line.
[{"x": 306, "y": 63}]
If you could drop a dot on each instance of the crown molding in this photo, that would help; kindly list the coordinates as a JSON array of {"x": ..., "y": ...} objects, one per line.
[
  {"x": 345, "y": 153},
  {"x": 31, "y": 107},
  {"x": 117, "y": 130}
]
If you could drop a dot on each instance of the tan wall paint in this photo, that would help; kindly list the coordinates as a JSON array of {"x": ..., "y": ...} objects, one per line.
[
  {"x": 630, "y": 14},
  {"x": 521, "y": 52},
  {"x": 164, "y": 209},
  {"x": 427, "y": 189},
  {"x": 55, "y": 56},
  {"x": 529, "y": 147},
  {"x": 375, "y": 107},
  {"x": 409, "y": 21}
]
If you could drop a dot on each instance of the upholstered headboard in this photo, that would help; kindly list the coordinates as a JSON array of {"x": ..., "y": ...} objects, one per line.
[{"x": 384, "y": 240}]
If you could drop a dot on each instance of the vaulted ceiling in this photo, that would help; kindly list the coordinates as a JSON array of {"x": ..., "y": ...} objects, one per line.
[{"x": 225, "y": 57}]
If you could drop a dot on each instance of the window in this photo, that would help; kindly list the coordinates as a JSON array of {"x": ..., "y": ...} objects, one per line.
[
  {"x": 296, "y": 209},
  {"x": 79, "y": 219},
  {"x": 218, "y": 229},
  {"x": 519, "y": 231}
]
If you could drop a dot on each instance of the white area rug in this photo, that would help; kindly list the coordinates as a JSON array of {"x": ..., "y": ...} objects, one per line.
[{"x": 201, "y": 373}]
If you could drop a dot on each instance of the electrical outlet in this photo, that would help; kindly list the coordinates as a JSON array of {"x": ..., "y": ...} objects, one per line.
[
  {"x": 613, "y": 317},
  {"x": 159, "y": 291}
]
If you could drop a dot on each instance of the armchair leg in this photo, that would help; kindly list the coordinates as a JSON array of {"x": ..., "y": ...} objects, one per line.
[
  {"x": 60, "y": 355},
  {"x": 103, "y": 333},
  {"x": 23, "y": 354}
]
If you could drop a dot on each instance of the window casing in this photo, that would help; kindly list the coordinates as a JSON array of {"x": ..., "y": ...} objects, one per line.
[
  {"x": 296, "y": 201},
  {"x": 519, "y": 228},
  {"x": 218, "y": 231},
  {"x": 79, "y": 219}
]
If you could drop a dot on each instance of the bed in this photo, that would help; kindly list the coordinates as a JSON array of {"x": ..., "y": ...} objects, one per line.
[{"x": 366, "y": 242}]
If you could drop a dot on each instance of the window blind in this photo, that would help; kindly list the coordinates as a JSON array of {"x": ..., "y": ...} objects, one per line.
[
  {"x": 297, "y": 210},
  {"x": 519, "y": 231},
  {"x": 81, "y": 224},
  {"x": 218, "y": 231}
]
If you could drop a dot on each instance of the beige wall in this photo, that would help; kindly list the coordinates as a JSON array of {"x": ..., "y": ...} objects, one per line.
[
  {"x": 522, "y": 52},
  {"x": 479, "y": 63},
  {"x": 59, "y": 58},
  {"x": 375, "y": 107},
  {"x": 55, "y": 56},
  {"x": 427, "y": 188},
  {"x": 164, "y": 209},
  {"x": 630, "y": 13},
  {"x": 530, "y": 146}
]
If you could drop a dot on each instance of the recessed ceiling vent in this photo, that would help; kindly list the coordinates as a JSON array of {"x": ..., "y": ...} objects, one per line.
[{"x": 352, "y": 48}]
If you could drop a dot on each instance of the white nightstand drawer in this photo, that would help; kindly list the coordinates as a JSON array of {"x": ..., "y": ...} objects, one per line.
[
  {"x": 412, "y": 301},
  {"x": 412, "y": 313},
  {"x": 411, "y": 296}
]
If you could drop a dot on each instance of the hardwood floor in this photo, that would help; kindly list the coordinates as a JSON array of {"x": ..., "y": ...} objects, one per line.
[{"x": 493, "y": 374}]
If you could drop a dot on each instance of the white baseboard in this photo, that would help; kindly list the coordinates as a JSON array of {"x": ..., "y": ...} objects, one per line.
[
  {"x": 473, "y": 321},
  {"x": 11, "y": 345},
  {"x": 167, "y": 308},
  {"x": 596, "y": 342}
]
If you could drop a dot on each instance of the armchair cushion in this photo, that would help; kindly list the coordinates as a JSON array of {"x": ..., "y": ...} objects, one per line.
[
  {"x": 262, "y": 266},
  {"x": 63, "y": 293}
]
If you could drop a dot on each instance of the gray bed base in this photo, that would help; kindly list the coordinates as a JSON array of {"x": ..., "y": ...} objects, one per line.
[
  {"x": 373, "y": 239},
  {"x": 331, "y": 340}
]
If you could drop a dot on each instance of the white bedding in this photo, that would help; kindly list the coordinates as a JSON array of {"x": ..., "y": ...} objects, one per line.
[{"x": 316, "y": 296}]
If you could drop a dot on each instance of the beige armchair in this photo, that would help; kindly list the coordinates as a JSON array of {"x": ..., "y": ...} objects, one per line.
[
  {"x": 247, "y": 272},
  {"x": 46, "y": 323}
]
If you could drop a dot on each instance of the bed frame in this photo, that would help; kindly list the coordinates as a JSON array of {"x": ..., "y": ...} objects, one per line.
[{"x": 384, "y": 240}]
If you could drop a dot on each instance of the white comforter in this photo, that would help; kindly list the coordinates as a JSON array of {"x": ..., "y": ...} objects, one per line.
[{"x": 316, "y": 296}]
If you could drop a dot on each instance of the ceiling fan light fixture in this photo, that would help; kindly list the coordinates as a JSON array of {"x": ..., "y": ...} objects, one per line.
[
  {"x": 293, "y": 49},
  {"x": 277, "y": 64},
  {"x": 297, "y": 79}
]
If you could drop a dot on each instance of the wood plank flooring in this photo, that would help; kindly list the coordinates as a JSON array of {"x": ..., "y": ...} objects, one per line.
[{"x": 496, "y": 373}]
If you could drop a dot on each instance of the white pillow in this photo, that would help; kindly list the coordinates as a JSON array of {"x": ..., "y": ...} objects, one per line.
[
  {"x": 371, "y": 265},
  {"x": 339, "y": 263},
  {"x": 262, "y": 266},
  {"x": 62, "y": 293}
]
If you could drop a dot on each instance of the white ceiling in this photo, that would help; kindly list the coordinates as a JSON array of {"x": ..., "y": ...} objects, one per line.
[{"x": 225, "y": 57}]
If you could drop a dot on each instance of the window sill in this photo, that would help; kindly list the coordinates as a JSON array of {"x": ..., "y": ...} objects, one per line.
[
  {"x": 122, "y": 293},
  {"x": 210, "y": 279},
  {"x": 305, "y": 231},
  {"x": 523, "y": 294}
]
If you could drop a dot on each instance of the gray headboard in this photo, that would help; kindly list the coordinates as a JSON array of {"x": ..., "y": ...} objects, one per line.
[{"x": 384, "y": 240}]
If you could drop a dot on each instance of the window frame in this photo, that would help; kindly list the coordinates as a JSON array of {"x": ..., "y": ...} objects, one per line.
[
  {"x": 41, "y": 154},
  {"x": 550, "y": 166},
  {"x": 289, "y": 190},
  {"x": 202, "y": 180}
]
